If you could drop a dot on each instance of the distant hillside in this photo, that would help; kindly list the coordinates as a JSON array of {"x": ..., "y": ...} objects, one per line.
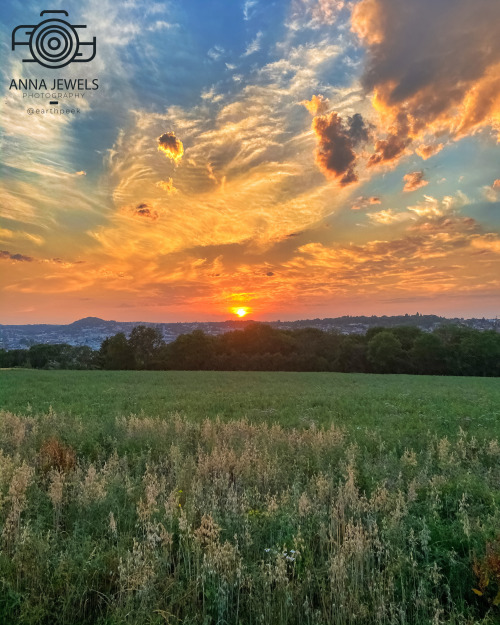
[
  {"x": 92, "y": 331},
  {"x": 90, "y": 322}
]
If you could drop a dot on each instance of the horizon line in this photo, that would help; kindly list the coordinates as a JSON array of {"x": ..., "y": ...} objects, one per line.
[{"x": 249, "y": 320}]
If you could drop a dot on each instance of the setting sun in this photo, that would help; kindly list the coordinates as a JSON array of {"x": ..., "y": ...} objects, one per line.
[{"x": 241, "y": 312}]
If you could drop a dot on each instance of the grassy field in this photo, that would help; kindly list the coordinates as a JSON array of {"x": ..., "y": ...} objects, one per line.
[
  {"x": 402, "y": 407},
  {"x": 243, "y": 498}
]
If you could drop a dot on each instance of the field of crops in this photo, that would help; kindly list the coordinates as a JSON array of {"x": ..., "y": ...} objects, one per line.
[{"x": 245, "y": 498}]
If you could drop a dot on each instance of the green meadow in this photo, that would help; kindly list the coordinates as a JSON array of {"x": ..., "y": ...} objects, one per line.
[
  {"x": 239, "y": 498},
  {"x": 400, "y": 407}
]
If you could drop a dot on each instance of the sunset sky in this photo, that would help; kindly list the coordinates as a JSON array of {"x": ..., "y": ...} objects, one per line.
[{"x": 296, "y": 158}]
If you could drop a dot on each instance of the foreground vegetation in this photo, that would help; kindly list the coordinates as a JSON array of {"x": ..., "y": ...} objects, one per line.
[
  {"x": 448, "y": 350},
  {"x": 248, "y": 498}
]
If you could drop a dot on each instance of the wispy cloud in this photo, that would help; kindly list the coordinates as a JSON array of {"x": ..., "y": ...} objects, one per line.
[
  {"x": 255, "y": 44},
  {"x": 215, "y": 53},
  {"x": 247, "y": 8},
  {"x": 363, "y": 202},
  {"x": 161, "y": 25}
]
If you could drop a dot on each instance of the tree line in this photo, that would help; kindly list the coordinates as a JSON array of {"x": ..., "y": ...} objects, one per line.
[{"x": 448, "y": 350}]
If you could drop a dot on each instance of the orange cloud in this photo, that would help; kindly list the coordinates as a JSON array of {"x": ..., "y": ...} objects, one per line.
[
  {"x": 367, "y": 22},
  {"x": 414, "y": 180},
  {"x": 317, "y": 105},
  {"x": 166, "y": 185},
  {"x": 496, "y": 184},
  {"x": 421, "y": 264},
  {"x": 429, "y": 82},
  {"x": 171, "y": 146},
  {"x": 489, "y": 242},
  {"x": 389, "y": 150},
  {"x": 389, "y": 216},
  {"x": 426, "y": 151}
]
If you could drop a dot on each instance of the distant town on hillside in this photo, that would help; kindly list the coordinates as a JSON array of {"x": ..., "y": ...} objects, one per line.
[{"x": 91, "y": 331}]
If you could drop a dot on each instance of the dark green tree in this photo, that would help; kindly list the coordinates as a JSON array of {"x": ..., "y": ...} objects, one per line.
[
  {"x": 428, "y": 355},
  {"x": 479, "y": 353},
  {"x": 315, "y": 350},
  {"x": 116, "y": 353},
  {"x": 407, "y": 335},
  {"x": 258, "y": 338},
  {"x": 51, "y": 356},
  {"x": 195, "y": 350},
  {"x": 385, "y": 354},
  {"x": 146, "y": 344},
  {"x": 83, "y": 357},
  {"x": 14, "y": 358},
  {"x": 351, "y": 355}
]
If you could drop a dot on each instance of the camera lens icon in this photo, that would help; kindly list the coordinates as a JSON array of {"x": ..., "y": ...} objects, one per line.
[{"x": 54, "y": 42}]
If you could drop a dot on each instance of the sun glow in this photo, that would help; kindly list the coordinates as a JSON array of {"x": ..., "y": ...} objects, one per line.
[{"x": 241, "y": 312}]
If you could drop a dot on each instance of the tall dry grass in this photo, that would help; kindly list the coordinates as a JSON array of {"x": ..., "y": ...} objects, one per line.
[{"x": 170, "y": 521}]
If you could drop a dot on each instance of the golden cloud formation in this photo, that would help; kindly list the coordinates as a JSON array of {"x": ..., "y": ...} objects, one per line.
[
  {"x": 317, "y": 105},
  {"x": 414, "y": 180},
  {"x": 166, "y": 185},
  {"x": 429, "y": 82}
]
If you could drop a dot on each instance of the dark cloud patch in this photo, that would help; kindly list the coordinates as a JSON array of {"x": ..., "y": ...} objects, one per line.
[
  {"x": 145, "y": 211},
  {"x": 21, "y": 258},
  {"x": 270, "y": 273},
  {"x": 335, "y": 153},
  {"x": 349, "y": 178},
  {"x": 171, "y": 146},
  {"x": 388, "y": 150},
  {"x": 61, "y": 261},
  {"x": 359, "y": 130}
]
